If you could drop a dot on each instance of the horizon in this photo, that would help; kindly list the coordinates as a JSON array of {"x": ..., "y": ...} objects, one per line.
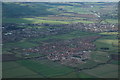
[{"x": 59, "y": 1}]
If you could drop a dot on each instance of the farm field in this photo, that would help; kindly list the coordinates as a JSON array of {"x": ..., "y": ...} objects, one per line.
[
  {"x": 17, "y": 69},
  {"x": 102, "y": 70},
  {"x": 32, "y": 20},
  {"x": 110, "y": 40},
  {"x": 45, "y": 69},
  {"x": 60, "y": 40},
  {"x": 37, "y": 20},
  {"x": 99, "y": 56},
  {"x": 39, "y": 69}
]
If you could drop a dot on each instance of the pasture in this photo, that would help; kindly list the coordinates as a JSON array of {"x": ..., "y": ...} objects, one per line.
[
  {"x": 40, "y": 69},
  {"x": 45, "y": 69},
  {"x": 104, "y": 71},
  {"x": 99, "y": 56},
  {"x": 39, "y": 20},
  {"x": 19, "y": 44},
  {"x": 31, "y": 20},
  {"x": 109, "y": 41},
  {"x": 13, "y": 69}
]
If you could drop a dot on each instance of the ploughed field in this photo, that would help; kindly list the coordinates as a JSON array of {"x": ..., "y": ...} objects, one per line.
[{"x": 65, "y": 40}]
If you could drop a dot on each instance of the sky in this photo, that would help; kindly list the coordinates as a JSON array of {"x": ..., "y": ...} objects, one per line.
[{"x": 60, "y": 0}]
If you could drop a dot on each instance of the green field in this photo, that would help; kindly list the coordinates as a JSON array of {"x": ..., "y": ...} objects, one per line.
[
  {"x": 76, "y": 75},
  {"x": 112, "y": 20},
  {"x": 109, "y": 33},
  {"x": 36, "y": 20},
  {"x": 32, "y": 20},
  {"x": 87, "y": 64},
  {"x": 45, "y": 69},
  {"x": 70, "y": 35},
  {"x": 100, "y": 57},
  {"x": 104, "y": 71},
  {"x": 13, "y": 69},
  {"x": 57, "y": 14},
  {"x": 40, "y": 69},
  {"x": 23, "y": 44},
  {"x": 109, "y": 41}
]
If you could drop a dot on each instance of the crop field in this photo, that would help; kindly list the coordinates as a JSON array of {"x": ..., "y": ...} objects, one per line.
[
  {"x": 76, "y": 75},
  {"x": 112, "y": 20},
  {"x": 45, "y": 69},
  {"x": 15, "y": 68},
  {"x": 110, "y": 41},
  {"x": 32, "y": 20},
  {"x": 36, "y": 20},
  {"x": 60, "y": 40},
  {"x": 109, "y": 33},
  {"x": 54, "y": 71},
  {"x": 40, "y": 69},
  {"x": 24, "y": 44},
  {"x": 99, "y": 56},
  {"x": 102, "y": 70}
]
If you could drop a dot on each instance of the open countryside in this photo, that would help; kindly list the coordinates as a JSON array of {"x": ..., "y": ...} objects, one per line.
[{"x": 60, "y": 40}]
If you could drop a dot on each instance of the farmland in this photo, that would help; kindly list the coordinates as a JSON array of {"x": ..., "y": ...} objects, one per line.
[
  {"x": 32, "y": 20},
  {"x": 60, "y": 40},
  {"x": 102, "y": 70}
]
